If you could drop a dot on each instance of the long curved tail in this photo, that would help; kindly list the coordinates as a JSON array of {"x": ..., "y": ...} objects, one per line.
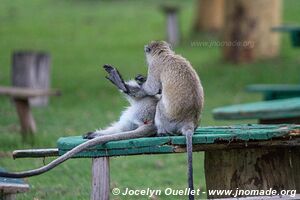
[
  {"x": 189, "y": 149},
  {"x": 142, "y": 131}
]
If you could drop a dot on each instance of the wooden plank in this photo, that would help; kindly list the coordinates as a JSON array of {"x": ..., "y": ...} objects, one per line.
[
  {"x": 25, "y": 93},
  {"x": 276, "y": 91},
  {"x": 200, "y": 136},
  {"x": 221, "y": 137},
  {"x": 170, "y": 144},
  {"x": 8, "y": 197},
  {"x": 35, "y": 153},
  {"x": 249, "y": 169},
  {"x": 295, "y": 88},
  {"x": 274, "y": 109},
  {"x": 100, "y": 179},
  {"x": 286, "y": 28},
  {"x": 218, "y": 145}
]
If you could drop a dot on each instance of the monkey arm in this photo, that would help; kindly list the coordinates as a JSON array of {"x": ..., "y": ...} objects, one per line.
[
  {"x": 142, "y": 131},
  {"x": 151, "y": 87}
]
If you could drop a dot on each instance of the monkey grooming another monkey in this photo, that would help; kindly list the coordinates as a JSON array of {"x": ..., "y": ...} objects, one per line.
[
  {"x": 177, "y": 111},
  {"x": 140, "y": 112}
]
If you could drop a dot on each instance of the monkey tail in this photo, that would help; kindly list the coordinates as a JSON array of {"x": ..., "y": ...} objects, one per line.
[
  {"x": 188, "y": 132},
  {"x": 142, "y": 131}
]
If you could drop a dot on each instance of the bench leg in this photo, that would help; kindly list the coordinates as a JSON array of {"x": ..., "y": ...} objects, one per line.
[
  {"x": 249, "y": 169},
  {"x": 25, "y": 116},
  {"x": 8, "y": 197},
  {"x": 100, "y": 179}
]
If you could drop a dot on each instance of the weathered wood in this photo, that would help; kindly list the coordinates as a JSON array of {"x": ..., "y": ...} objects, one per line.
[
  {"x": 172, "y": 26},
  {"x": 296, "y": 166},
  {"x": 276, "y": 91},
  {"x": 248, "y": 30},
  {"x": 286, "y": 142},
  {"x": 35, "y": 153},
  {"x": 249, "y": 169},
  {"x": 8, "y": 197},
  {"x": 25, "y": 116},
  {"x": 31, "y": 70},
  {"x": 274, "y": 109},
  {"x": 290, "y": 120},
  {"x": 209, "y": 15},
  {"x": 11, "y": 186},
  {"x": 101, "y": 179},
  {"x": 294, "y": 33},
  {"x": 25, "y": 93},
  {"x": 218, "y": 137}
]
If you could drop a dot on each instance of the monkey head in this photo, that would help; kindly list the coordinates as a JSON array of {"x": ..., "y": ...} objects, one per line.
[{"x": 156, "y": 49}]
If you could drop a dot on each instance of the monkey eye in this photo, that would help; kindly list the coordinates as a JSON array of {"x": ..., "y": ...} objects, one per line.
[{"x": 147, "y": 49}]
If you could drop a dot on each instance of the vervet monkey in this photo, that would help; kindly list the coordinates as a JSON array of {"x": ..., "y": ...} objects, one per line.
[
  {"x": 178, "y": 109},
  {"x": 182, "y": 96}
]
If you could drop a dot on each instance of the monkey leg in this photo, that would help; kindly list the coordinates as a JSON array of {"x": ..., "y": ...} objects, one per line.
[
  {"x": 115, "y": 77},
  {"x": 117, "y": 127}
]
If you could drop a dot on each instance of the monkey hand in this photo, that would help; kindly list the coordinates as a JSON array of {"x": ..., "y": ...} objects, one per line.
[
  {"x": 140, "y": 79},
  {"x": 91, "y": 135}
]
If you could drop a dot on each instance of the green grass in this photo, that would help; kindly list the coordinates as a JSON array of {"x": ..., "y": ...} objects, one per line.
[{"x": 83, "y": 35}]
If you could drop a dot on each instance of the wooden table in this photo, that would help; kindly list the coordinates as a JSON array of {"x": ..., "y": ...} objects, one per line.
[
  {"x": 267, "y": 112},
  {"x": 275, "y": 91},
  {"x": 21, "y": 99},
  {"x": 294, "y": 33},
  {"x": 244, "y": 156}
]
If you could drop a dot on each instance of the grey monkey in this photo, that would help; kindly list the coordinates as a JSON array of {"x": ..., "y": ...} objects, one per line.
[
  {"x": 177, "y": 110},
  {"x": 182, "y": 96}
]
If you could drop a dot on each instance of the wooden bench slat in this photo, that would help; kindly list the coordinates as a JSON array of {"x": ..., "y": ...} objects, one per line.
[
  {"x": 286, "y": 28},
  {"x": 274, "y": 109},
  {"x": 274, "y": 88},
  {"x": 24, "y": 93},
  {"x": 170, "y": 144},
  {"x": 12, "y": 185}
]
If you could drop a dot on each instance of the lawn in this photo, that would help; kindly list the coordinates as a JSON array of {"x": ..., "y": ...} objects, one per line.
[{"x": 81, "y": 36}]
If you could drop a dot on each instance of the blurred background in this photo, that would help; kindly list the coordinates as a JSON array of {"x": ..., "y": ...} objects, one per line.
[{"x": 80, "y": 36}]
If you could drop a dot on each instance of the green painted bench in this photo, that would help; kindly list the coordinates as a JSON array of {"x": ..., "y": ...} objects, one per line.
[
  {"x": 267, "y": 112},
  {"x": 243, "y": 156},
  {"x": 9, "y": 187},
  {"x": 275, "y": 91},
  {"x": 294, "y": 33}
]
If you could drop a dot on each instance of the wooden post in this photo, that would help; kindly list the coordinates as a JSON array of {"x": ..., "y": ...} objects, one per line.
[
  {"x": 173, "y": 32},
  {"x": 8, "y": 197},
  {"x": 247, "y": 35},
  {"x": 100, "y": 179},
  {"x": 209, "y": 15},
  {"x": 294, "y": 152},
  {"x": 249, "y": 169},
  {"x": 31, "y": 70},
  {"x": 25, "y": 116}
]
